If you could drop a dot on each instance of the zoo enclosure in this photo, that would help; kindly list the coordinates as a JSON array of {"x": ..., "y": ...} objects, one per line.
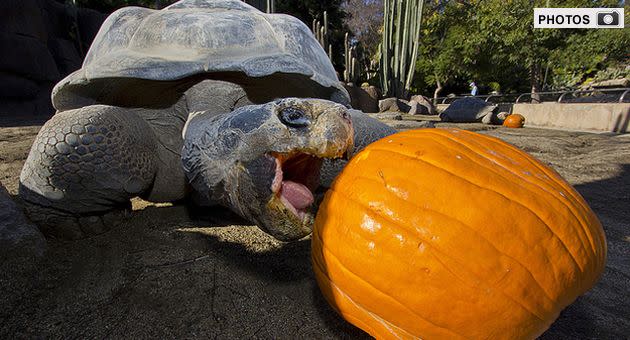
[{"x": 614, "y": 95}]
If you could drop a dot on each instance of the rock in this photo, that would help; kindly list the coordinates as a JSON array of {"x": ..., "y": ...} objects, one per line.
[
  {"x": 89, "y": 22},
  {"x": 19, "y": 239},
  {"x": 403, "y": 106},
  {"x": 27, "y": 57},
  {"x": 425, "y": 102},
  {"x": 388, "y": 104},
  {"x": 396, "y": 105},
  {"x": 487, "y": 119},
  {"x": 23, "y": 17},
  {"x": 393, "y": 105},
  {"x": 17, "y": 107},
  {"x": 43, "y": 103},
  {"x": 363, "y": 99},
  {"x": 370, "y": 100},
  {"x": 495, "y": 118},
  {"x": 41, "y": 42},
  {"x": 66, "y": 55},
  {"x": 416, "y": 108},
  {"x": 502, "y": 115},
  {"x": 468, "y": 110},
  {"x": 15, "y": 87},
  {"x": 59, "y": 19},
  {"x": 352, "y": 91}
]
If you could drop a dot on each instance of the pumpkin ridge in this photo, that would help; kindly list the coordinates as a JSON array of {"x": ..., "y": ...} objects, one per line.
[
  {"x": 567, "y": 201},
  {"x": 464, "y": 228},
  {"x": 319, "y": 273},
  {"x": 350, "y": 272},
  {"x": 445, "y": 254},
  {"x": 583, "y": 236},
  {"x": 366, "y": 327},
  {"x": 374, "y": 148},
  {"x": 577, "y": 199},
  {"x": 533, "y": 213}
]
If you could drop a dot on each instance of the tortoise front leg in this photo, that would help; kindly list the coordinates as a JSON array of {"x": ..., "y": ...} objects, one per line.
[{"x": 84, "y": 165}]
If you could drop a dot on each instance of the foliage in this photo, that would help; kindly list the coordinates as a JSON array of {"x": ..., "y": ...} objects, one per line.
[
  {"x": 601, "y": 54},
  {"x": 446, "y": 54},
  {"x": 494, "y": 43}
]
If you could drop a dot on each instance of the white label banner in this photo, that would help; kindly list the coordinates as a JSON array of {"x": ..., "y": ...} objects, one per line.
[{"x": 578, "y": 18}]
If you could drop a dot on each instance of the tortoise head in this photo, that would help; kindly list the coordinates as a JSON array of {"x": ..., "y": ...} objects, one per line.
[{"x": 263, "y": 161}]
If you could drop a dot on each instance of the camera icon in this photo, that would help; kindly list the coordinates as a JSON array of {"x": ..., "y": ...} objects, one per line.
[{"x": 608, "y": 18}]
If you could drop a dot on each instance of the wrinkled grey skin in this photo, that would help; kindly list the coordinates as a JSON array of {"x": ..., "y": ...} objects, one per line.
[
  {"x": 125, "y": 117},
  {"x": 227, "y": 157}
]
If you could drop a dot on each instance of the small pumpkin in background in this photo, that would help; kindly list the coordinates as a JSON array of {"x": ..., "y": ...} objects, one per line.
[
  {"x": 514, "y": 120},
  {"x": 446, "y": 234}
]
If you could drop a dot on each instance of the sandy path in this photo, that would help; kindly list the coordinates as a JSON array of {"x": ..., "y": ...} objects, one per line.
[{"x": 167, "y": 274}]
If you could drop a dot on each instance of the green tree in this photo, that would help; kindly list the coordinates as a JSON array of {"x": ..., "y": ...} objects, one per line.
[
  {"x": 588, "y": 52},
  {"x": 446, "y": 56},
  {"x": 493, "y": 41}
]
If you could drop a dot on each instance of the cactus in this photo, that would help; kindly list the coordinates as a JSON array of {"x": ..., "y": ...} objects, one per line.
[
  {"x": 321, "y": 34},
  {"x": 399, "y": 45},
  {"x": 350, "y": 61}
]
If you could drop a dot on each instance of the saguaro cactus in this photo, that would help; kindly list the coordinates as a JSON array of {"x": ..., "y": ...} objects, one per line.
[{"x": 399, "y": 46}]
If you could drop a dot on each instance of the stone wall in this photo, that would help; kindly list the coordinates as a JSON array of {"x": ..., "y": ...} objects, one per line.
[
  {"x": 41, "y": 41},
  {"x": 608, "y": 117}
]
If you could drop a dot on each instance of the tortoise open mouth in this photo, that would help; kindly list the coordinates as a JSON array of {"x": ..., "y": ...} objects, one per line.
[{"x": 295, "y": 180}]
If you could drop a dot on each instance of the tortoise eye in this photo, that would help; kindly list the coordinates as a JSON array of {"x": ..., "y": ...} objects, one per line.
[{"x": 294, "y": 117}]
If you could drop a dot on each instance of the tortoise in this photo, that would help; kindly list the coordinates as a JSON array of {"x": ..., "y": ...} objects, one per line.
[{"x": 213, "y": 102}]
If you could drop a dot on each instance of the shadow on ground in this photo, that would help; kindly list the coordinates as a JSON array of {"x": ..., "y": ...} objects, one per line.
[
  {"x": 603, "y": 312},
  {"x": 165, "y": 273}
]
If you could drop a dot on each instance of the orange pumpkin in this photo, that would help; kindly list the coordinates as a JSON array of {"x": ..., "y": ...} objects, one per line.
[
  {"x": 447, "y": 234},
  {"x": 514, "y": 121}
]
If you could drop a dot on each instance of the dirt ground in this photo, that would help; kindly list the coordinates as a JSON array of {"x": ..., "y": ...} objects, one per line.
[{"x": 165, "y": 274}]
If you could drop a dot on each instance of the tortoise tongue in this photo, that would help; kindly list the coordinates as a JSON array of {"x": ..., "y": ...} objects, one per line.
[{"x": 297, "y": 194}]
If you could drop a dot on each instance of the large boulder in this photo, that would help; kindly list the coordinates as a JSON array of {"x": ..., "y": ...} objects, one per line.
[
  {"x": 363, "y": 98},
  {"x": 370, "y": 100},
  {"x": 89, "y": 22},
  {"x": 23, "y": 17},
  {"x": 66, "y": 55},
  {"x": 14, "y": 87},
  {"x": 393, "y": 105},
  {"x": 41, "y": 41},
  {"x": 469, "y": 110},
  {"x": 421, "y": 105},
  {"x": 28, "y": 57}
]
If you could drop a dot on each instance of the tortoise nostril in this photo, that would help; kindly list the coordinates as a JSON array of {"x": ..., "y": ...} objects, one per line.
[{"x": 294, "y": 117}]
